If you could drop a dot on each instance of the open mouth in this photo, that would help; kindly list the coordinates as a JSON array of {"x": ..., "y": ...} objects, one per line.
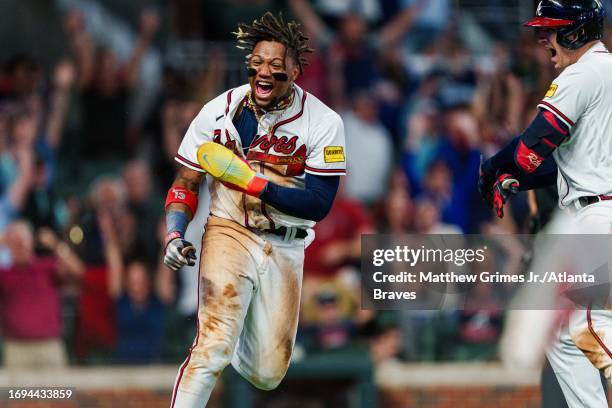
[
  {"x": 264, "y": 88},
  {"x": 553, "y": 52}
]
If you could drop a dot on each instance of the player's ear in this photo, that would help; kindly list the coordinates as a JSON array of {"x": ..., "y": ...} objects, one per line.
[{"x": 294, "y": 72}]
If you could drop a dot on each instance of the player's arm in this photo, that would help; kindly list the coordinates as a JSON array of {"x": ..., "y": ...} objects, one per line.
[
  {"x": 506, "y": 184},
  {"x": 311, "y": 203},
  {"x": 565, "y": 102},
  {"x": 526, "y": 153},
  {"x": 523, "y": 159},
  {"x": 182, "y": 199},
  {"x": 181, "y": 205},
  {"x": 545, "y": 175},
  {"x": 324, "y": 165}
]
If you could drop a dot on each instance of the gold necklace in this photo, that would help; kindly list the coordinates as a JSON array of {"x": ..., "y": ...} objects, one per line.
[{"x": 259, "y": 113}]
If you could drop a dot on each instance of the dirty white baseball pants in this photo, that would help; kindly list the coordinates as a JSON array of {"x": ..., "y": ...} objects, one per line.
[
  {"x": 248, "y": 310},
  {"x": 584, "y": 344},
  {"x": 578, "y": 377}
]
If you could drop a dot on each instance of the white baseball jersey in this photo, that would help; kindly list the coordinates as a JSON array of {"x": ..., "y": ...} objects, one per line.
[
  {"x": 306, "y": 137},
  {"x": 581, "y": 97}
]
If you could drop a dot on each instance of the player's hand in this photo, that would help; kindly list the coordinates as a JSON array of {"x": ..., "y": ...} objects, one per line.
[
  {"x": 179, "y": 253},
  {"x": 504, "y": 187},
  {"x": 231, "y": 170}
]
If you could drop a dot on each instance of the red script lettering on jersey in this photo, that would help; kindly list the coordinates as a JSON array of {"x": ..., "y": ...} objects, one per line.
[{"x": 282, "y": 144}]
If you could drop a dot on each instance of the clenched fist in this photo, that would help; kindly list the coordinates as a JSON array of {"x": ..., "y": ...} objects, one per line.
[{"x": 179, "y": 253}]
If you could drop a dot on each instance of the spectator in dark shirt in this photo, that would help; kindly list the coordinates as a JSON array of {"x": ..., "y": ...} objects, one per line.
[
  {"x": 140, "y": 317},
  {"x": 42, "y": 206},
  {"x": 106, "y": 86},
  {"x": 144, "y": 207},
  {"x": 459, "y": 151},
  {"x": 29, "y": 297},
  {"x": 139, "y": 307}
]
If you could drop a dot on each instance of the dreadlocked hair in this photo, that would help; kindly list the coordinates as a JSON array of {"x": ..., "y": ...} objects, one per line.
[{"x": 272, "y": 28}]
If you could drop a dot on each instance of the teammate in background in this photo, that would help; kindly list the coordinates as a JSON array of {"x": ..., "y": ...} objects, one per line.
[
  {"x": 573, "y": 127},
  {"x": 260, "y": 222}
]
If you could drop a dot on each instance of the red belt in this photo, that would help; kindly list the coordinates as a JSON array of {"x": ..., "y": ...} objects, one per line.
[{"x": 588, "y": 200}]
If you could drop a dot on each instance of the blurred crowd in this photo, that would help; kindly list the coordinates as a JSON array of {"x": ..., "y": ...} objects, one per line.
[{"x": 84, "y": 169}]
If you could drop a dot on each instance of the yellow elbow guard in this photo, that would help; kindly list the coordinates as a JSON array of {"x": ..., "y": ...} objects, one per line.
[{"x": 225, "y": 166}]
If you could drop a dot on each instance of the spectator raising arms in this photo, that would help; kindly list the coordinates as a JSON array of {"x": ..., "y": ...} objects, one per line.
[
  {"x": 139, "y": 311},
  {"x": 352, "y": 51},
  {"x": 15, "y": 193},
  {"x": 106, "y": 85},
  {"x": 29, "y": 297}
]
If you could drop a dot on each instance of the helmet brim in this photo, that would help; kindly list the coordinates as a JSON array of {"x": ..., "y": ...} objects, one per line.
[{"x": 547, "y": 22}]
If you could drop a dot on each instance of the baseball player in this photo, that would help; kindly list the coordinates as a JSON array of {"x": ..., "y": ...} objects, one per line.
[
  {"x": 275, "y": 154},
  {"x": 573, "y": 127}
]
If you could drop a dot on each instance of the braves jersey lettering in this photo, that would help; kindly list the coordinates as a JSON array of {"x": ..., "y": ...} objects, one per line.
[{"x": 279, "y": 145}]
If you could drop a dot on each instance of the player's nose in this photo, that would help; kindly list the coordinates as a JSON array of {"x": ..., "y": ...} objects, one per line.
[{"x": 265, "y": 71}]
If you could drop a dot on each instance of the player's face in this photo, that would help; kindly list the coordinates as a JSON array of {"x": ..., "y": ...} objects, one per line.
[
  {"x": 560, "y": 56},
  {"x": 268, "y": 58}
]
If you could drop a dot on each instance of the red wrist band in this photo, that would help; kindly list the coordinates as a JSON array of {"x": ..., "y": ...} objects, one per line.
[
  {"x": 257, "y": 185},
  {"x": 183, "y": 196}
]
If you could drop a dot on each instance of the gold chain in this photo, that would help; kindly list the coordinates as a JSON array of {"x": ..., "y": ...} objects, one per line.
[{"x": 280, "y": 106}]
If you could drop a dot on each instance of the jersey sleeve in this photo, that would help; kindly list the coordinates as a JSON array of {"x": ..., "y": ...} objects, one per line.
[
  {"x": 569, "y": 96},
  {"x": 327, "y": 148},
  {"x": 200, "y": 130}
]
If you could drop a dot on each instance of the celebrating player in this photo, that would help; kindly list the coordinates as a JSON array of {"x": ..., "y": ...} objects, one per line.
[
  {"x": 275, "y": 153},
  {"x": 573, "y": 127}
]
